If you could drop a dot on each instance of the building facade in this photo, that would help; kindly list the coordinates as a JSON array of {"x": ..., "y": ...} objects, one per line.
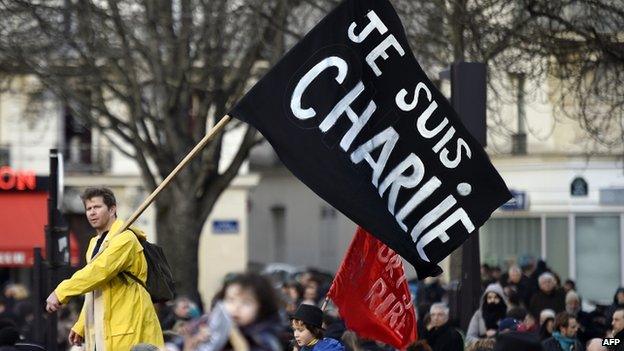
[
  {"x": 568, "y": 206},
  {"x": 28, "y": 130}
]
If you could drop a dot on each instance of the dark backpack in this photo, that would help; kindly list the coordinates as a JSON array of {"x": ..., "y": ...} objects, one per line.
[{"x": 160, "y": 284}]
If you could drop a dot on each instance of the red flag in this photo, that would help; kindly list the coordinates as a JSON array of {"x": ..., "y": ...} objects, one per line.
[{"x": 370, "y": 290}]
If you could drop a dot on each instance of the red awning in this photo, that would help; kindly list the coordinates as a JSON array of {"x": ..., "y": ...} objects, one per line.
[{"x": 23, "y": 216}]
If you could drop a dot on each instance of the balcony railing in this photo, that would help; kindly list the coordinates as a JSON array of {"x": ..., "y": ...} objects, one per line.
[{"x": 85, "y": 158}]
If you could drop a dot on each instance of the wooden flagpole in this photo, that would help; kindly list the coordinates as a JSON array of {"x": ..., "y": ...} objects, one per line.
[
  {"x": 202, "y": 143},
  {"x": 324, "y": 306}
]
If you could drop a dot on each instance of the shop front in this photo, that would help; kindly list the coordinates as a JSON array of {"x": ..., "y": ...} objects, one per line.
[
  {"x": 568, "y": 213},
  {"x": 23, "y": 208}
]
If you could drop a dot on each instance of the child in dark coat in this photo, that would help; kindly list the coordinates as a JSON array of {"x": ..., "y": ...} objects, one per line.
[{"x": 307, "y": 324}]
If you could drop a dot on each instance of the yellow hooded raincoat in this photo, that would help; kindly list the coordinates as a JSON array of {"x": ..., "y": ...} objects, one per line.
[{"x": 118, "y": 312}]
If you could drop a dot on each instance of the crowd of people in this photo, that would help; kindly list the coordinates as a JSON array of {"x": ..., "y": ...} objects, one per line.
[
  {"x": 16, "y": 314},
  {"x": 525, "y": 308}
]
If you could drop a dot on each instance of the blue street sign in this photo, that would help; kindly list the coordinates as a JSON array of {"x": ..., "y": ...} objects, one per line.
[
  {"x": 517, "y": 202},
  {"x": 229, "y": 226}
]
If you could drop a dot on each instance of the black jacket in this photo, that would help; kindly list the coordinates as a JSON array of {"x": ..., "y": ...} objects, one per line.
[
  {"x": 444, "y": 338},
  {"x": 554, "y": 301},
  {"x": 620, "y": 346},
  {"x": 551, "y": 344}
]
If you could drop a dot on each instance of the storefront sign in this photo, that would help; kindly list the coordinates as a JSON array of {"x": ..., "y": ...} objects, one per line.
[
  {"x": 12, "y": 180},
  {"x": 21, "y": 258}
]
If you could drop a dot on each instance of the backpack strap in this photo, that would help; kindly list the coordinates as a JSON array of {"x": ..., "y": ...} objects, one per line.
[{"x": 135, "y": 278}]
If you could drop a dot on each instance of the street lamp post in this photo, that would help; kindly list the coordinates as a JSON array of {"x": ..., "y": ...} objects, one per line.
[{"x": 468, "y": 97}]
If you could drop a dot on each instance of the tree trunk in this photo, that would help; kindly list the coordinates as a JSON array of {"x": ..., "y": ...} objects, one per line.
[{"x": 178, "y": 231}]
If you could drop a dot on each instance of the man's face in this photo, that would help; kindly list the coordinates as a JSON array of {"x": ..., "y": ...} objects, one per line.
[
  {"x": 98, "y": 214},
  {"x": 573, "y": 306},
  {"x": 547, "y": 284},
  {"x": 515, "y": 275},
  {"x": 571, "y": 329},
  {"x": 618, "y": 322},
  {"x": 438, "y": 317}
]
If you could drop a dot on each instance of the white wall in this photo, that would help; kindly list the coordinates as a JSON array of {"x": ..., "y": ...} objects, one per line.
[
  {"x": 29, "y": 129},
  {"x": 222, "y": 253},
  {"x": 547, "y": 180}
]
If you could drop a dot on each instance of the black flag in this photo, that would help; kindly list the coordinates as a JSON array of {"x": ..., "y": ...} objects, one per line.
[{"x": 350, "y": 112}]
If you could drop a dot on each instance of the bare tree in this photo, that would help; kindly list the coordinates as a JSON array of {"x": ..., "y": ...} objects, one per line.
[
  {"x": 174, "y": 66},
  {"x": 585, "y": 41},
  {"x": 577, "y": 43},
  {"x": 153, "y": 76}
]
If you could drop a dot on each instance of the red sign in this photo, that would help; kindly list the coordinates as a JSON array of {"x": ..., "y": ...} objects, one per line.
[{"x": 17, "y": 180}]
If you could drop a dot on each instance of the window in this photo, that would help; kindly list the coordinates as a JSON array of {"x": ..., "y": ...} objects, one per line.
[
  {"x": 597, "y": 256},
  {"x": 329, "y": 232},
  {"x": 557, "y": 246},
  {"x": 278, "y": 215},
  {"x": 503, "y": 240},
  {"x": 77, "y": 140},
  {"x": 5, "y": 156}
]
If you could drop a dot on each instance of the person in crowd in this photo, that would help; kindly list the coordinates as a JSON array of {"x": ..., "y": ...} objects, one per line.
[
  {"x": 595, "y": 344},
  {"x": 16, "y": 292},
  {"x": 548, "y": 296},
  {"x": 618, "y": 302},
  {"x": 587, "y": 328},
  {"x": 528, "y": 265},
  {"x": 439, "y": 334},
  {"x": 118, "y": 313},
  {"x": 514, "y": 280},
  {"x": 334, "y": 326},
  {"x": 517, "y": 341},
  {"x": 293, "y": 293},
  {"x": 307, "y": 325},
  {"x": 484, "y": 322},
  {"x": 564, "y": 336},
  {"x": 547, "y": 324},
  {"x": 251, "y": 302},
  {"x": 486, "y": 275},
  {"x": 572, "y": 303},
  {"x": 516, "y": 313},
  {"x": 181, "y": 312},
  {"x": 529, "y": 324},
  {"x": 310, "y": 293},
  {"x": 569, "y": 285},
  {"x": 432, "y": 291},
  {"x": 496, "y": 274},
  {"x": 6, "y": 308},
  {"x": 508, "y": 324},
  {"x": 617, "y": 323}
]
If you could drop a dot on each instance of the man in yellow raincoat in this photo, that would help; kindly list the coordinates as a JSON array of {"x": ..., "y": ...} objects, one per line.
[{"x": 118, "y": 312}]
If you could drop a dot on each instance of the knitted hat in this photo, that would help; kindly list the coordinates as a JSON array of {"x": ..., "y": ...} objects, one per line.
[{"x": 310, "y": 315}]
